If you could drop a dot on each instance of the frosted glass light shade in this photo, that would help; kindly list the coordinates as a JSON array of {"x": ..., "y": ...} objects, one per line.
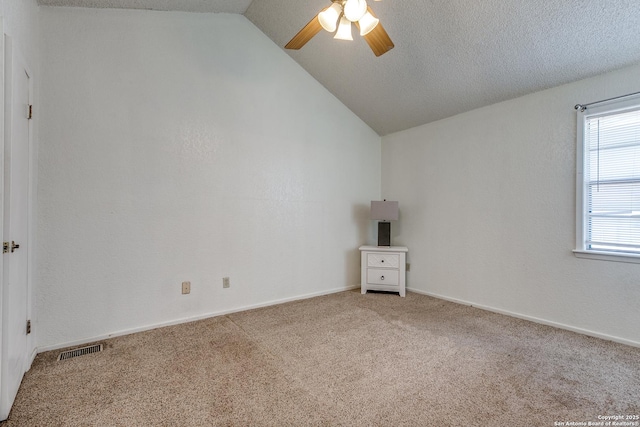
[
  {"x": 367, "y": 23},
  {"x": 355, "y": 9},
  {"x": 344, "y": 30},
  {"x": 329, "y": 17}
]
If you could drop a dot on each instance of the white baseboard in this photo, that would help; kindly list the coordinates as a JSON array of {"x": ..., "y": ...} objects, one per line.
[
  {"x": 531, "y": 319},
  {"x": 188, "y": 319}
]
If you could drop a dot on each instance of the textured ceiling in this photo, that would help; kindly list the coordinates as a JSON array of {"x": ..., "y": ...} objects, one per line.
[
  {"x": 215, "y": 6},
  {"x": 451, "y": 56}
]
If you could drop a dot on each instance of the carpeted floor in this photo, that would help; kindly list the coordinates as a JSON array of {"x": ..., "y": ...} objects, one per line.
[{"x": 339, "y": 360}]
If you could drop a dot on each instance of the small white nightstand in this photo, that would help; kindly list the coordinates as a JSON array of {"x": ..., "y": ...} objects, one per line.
[{"x": 383, "y": 268}]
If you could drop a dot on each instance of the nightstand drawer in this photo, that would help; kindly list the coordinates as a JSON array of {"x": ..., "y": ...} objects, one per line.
[
  {"x": 383, "y": 260},
  {"x": 383, "y": 277}
]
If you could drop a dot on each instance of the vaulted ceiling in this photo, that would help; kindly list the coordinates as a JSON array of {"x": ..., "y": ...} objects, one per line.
[
  {"x": 450, "y": 56},
  {"x": 208, "y": 6}
]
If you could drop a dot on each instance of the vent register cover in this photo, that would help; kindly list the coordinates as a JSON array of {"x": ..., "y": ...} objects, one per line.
[{"x": 80, "y": 352}]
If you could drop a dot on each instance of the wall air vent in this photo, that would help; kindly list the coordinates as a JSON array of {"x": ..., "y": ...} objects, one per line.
[{"x": 80, "y": 352}]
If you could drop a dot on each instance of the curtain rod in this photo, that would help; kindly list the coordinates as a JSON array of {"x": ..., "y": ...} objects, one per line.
[{"x": 583, "y": 107}]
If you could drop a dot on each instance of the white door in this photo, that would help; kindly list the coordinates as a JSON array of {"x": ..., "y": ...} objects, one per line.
[{"x": 15, "y": 292}]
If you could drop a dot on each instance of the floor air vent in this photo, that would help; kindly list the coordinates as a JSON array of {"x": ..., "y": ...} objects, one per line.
[{"x": 79, "y": 352}]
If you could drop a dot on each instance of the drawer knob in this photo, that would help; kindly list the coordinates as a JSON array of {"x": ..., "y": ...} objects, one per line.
[
  {"x": 381, "y": 277},
  {"x": 382, "y": 261}
]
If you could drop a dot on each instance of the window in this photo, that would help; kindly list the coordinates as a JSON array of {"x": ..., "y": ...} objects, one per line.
[{"x": 608, "y": 182}]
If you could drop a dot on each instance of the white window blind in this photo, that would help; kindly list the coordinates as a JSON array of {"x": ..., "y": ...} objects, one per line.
[{"x": 612, "y": 182}]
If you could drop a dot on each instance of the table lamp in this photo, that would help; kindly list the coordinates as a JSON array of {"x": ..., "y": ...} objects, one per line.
[{"x": 384, "y": 211}]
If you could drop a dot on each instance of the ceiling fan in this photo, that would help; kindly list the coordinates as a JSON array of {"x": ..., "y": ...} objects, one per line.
[{"x": 341, "y": 14}]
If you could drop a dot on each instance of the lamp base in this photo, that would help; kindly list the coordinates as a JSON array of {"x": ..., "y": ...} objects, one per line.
[{"x": 384, "y": 233}]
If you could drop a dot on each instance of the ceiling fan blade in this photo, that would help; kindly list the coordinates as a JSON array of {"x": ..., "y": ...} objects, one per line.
[
  {"x": 378, "y": 39},
  {"x": 305, "y": 34}
]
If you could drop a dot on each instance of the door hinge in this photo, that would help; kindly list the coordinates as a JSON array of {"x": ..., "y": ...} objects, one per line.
[
  {"x": 28, "y": 327},
  {"x": 5, "y": 247},
  {"x": 30, "y": 112}
]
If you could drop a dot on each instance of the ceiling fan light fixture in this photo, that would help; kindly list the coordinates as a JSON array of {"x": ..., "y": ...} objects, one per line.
[
  {"x": 341, "y": 14},
  {"x": 367, "y": 23},
  {"x": 329, "y": 17},
  {"x": 355, "y": 9},
  {"x": 344, "y": 30}
]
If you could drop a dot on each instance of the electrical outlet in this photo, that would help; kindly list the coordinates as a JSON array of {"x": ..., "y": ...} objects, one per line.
[
  {"x": 408, "y": 266},
  {"x": 225, "y": 282},
  {"x": 186, "y": 287}
]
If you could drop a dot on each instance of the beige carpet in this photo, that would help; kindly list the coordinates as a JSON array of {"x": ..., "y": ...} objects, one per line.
[{"x": 339, "y": 360}]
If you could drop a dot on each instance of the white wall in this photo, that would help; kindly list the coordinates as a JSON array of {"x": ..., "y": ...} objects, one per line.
[
  {"x": 487, "y": 202},
  {"x": 178, "y": 147}
]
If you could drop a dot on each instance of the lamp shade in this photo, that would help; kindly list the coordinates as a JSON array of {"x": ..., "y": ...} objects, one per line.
[
  {"x": 329, "y": 17},
  {"x": 344, "y": 30},
  {"x": 384, "y": 210},
  {"x": 367, "y": 23}
]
